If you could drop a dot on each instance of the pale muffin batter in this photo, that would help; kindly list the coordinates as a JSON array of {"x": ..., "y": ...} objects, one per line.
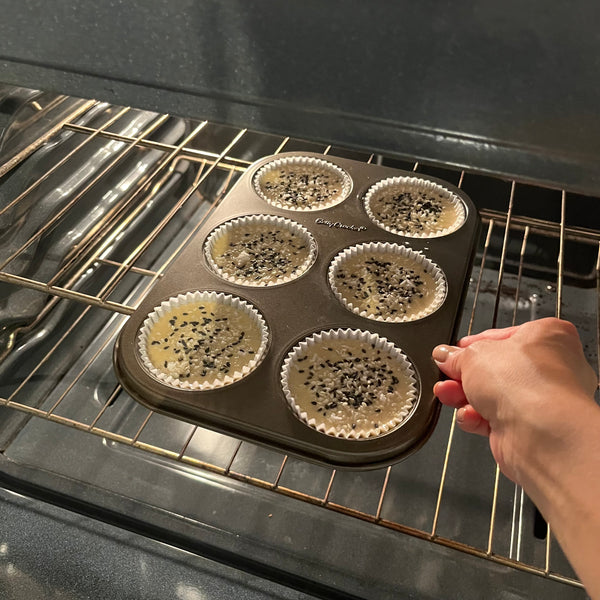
[
  {"x": 351, "y": 385},
  {"x": 203, "y": 342},
  {"x": 302, "y": 186},
  {"x": 415, "y": 212},
  {"x": 261, "y": 253},
  {"x": 387, "y": 286}
]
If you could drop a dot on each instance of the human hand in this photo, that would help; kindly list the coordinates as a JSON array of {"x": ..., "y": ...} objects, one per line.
[{"x": 519, "y": 386}]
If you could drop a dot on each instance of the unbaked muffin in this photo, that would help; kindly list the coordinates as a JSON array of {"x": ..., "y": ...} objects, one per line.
[
  {"x": 349, "y": 383},
  {"x": 260, "y": 250},
  {"x": 202, "y": 340},
  {"x": 302, "y": 183},
  {"x": 387, "y": 282},
  {"x": 414, "y": 207}
]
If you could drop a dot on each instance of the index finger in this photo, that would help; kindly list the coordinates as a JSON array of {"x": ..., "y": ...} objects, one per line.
[{"x": 488, "y": 334}]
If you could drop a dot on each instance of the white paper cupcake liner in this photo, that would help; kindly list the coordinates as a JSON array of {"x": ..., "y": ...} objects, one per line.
[
  {"x": 309, "y": 344},
  {"x": 415, "y": 184},
  {"x": 374, "y": 248},
  {"x": 278, "y": 163},
  {"x": 198, "y": 297},
  {"x": 276, "y": 222}
]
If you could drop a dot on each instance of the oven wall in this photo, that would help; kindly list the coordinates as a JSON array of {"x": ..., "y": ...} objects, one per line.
[{"x": 505, "y": 87}]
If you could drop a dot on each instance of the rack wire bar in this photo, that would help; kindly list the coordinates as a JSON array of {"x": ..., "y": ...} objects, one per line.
[
  {"x": 438, "y": 503},
  {"x": 164, "y": 453},
  {"x": 66, "y": 293},
  {"x": 209, "y": 161},
  {"x": 123, "y": 268},
  {"x": 187, "y": 442},
  {"x": 517, "y": 521},
  {"x": 64, "y": 160},
  {"x": 329, "y": 486},
  {"x": 11, "y": 163},
  {"x": 235, "y": 164},
  {"x": 114, "y": 263},
  {"x": 559, "y": 293},
  {"x": 111, "y": 398},
  {"x": 382, "y": 495},
  {"x": 560, "y": 259},
  {"x": 547, "y": 228},
  {"x": 280, "y": 472},
  {"x": 494, "y": 324},
  {"x": 233, "y": 456},
  {"x": 107, "y": 304},
  {"x": 143, "y": 189},
  {"x": 65, "y": 209},
  {"x": 174, "y": 210}
]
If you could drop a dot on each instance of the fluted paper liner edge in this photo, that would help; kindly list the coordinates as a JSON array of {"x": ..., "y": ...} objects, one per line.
[
  {"x": 386, "y": 247},
  {"x": 293, "y": 226},
  {"x": 303, "y": 160},
  {"x": 381, "y": 343},
  {"x": 416, "y": 184},
  {"x": 197, "y": 297}
]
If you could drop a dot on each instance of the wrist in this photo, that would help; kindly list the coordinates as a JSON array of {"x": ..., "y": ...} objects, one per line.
[{"x": 559, "y": 454}]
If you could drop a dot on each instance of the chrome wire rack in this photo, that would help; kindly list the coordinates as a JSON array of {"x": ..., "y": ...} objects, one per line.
[{"x": 507, "y": 262}]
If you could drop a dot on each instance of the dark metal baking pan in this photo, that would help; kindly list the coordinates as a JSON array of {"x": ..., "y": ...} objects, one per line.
[{"x": 255, "y": 407}]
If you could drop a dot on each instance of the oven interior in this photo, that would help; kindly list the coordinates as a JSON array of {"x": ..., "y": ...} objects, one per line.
[{"x": 96, "y": 200}]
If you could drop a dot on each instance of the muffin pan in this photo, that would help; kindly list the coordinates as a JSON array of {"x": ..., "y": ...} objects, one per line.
[{"x": 255, "y": 408}]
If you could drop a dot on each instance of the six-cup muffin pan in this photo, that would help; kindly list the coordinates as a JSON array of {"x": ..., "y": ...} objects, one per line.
[{"x": 255, "y": 407}]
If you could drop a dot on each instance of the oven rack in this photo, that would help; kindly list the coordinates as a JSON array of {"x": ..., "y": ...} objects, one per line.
[{"x": 94, "y": 251}]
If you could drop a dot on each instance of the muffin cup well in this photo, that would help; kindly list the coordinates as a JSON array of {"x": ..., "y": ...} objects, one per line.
[
  {"x": 194, "y": 298},
  {"x": 293, "y": 197},
  {"x": 273, "y": 222},
  {"x": 405, "y": 256},
  {"x": 455, "y": 212},
  {"x": 349, "y": 427}
]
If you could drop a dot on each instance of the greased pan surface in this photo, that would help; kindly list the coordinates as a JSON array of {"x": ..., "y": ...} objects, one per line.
[{"x": 255, "y": 408}]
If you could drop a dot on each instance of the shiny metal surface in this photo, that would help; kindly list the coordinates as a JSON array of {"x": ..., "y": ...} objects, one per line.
[
  {"x": 28, "y": 118},
  {"x": 35, "y": 240}
]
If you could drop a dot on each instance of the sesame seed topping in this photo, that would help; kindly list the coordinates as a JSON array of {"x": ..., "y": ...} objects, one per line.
[
  {"x": 302, "y": 185},
  {"x": 260, "y": 254},
  {"x": 386, "y": 285},
  {"x": 203, "y": 348},
  {"x": 414, "y": 211},
  {"x": 348, "y": 391}
]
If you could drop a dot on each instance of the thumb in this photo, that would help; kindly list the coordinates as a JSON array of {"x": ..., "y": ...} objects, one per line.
[{"x": 447, "y": 358}]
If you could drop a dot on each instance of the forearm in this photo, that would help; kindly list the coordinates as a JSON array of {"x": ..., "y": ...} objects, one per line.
[{"x": 563, "y": 480}]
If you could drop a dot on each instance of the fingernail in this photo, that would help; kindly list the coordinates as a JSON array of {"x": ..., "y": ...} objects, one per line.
[
  {"x": 441, "y": 353},
  {"x": 460, "y": 415}
]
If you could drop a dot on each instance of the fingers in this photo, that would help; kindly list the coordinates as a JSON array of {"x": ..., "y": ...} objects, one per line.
[
  {"x": 469, "y": 420},
  {"x": 450, "y": 393},
  {"x": 447, "y": 358},
  {"x": 489, "y": 334}
]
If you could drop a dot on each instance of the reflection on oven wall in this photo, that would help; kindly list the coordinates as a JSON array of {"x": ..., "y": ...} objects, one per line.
[{"x": 90, "y": 220}]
